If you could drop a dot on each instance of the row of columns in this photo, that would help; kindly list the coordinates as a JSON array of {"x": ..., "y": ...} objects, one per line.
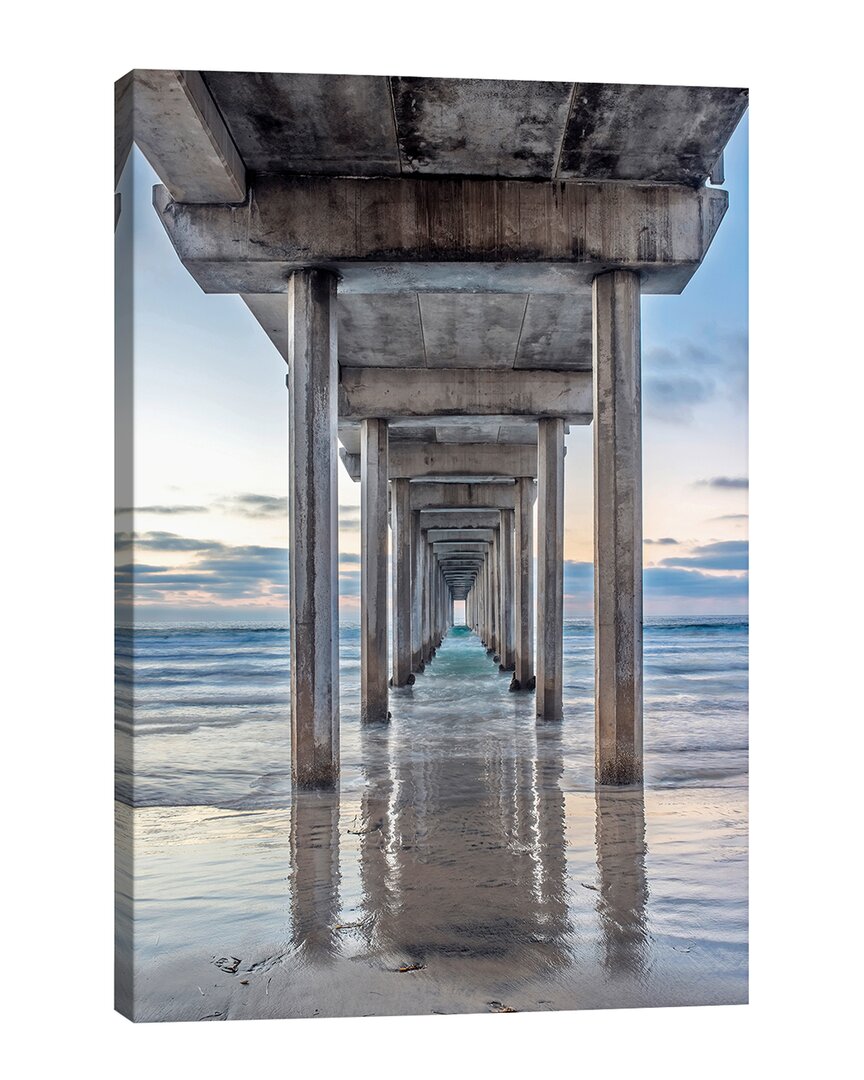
[{"x": 500, "y": 596}]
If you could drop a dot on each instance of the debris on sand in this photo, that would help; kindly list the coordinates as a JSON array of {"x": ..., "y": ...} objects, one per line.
[
  {"x": 411, "y": 967},
  {"x": 228, "y": 964},
  {"x": 593, "y": 888},
  {"x": 500, "y": 1007}
]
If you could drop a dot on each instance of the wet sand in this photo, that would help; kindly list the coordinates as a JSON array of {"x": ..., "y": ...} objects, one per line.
[{"x": 461, "y": 869}]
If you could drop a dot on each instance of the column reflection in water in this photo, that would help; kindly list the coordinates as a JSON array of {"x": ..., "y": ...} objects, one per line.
[
  {"x": 463, "y": 847},
  {"x": 315, "y": 900},
  {"x": 621, "y": 851}
]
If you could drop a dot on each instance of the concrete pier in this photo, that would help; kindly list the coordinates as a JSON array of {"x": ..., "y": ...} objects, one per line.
[
  {"x": 550, "y": 569},
  {"x": 313, "y": 561},
  {"x": 488, "y": 300},
  {"x": 400, "y": 516},
  {"x": 523, "y": 597},
  {"x": 617, "y": 528},
  {"x": 373, "y": 571}
]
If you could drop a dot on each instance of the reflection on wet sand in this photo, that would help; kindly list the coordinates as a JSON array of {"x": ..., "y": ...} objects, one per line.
[
  {"x": 314, "y": 845},
  {"x": 463, "y": 855},
  {"x": 621, "y": 850}
]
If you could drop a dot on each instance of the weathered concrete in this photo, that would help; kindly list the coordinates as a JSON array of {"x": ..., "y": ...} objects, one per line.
[
  {"x": 508, "y": 652},
  {"x": 312, "y": 505},
  {"x": 523, "y": 609},
  {"x": 444, "y": 518},
  {"x": 180, "y": 131},
  {"x": 498, "y": 496},
  {"x": 463, "y": 392},
  {"x": 458, "y": 536},
  {"x": 379, "y": 125},
  {"x": 617, "y": 529},
  {"x": 373, "y": 572},
  {"x": 416, "y": 460},
  {"x": 418, "y": 552},
  {"x": 550, "y": 570},
  {"x": 401, "y": 529},
  {"x": 440, "y": 235}
]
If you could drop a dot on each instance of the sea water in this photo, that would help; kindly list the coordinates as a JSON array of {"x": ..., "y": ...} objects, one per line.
[{"x": 465, "y": 839}]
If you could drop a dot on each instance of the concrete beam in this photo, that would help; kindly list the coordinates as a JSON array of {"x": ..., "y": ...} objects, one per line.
[
  {"x": 414, "y": 460},
  {"x": 366, "y": 393},
  {"x": 443, "y": 518},
  {"x": 444, "y": 549},
  {"x": 471, "y": 536},
  {"x": 182, "y": 134},
  {"x": 390, "y": 235},
  {"x": 462, "y": 496}
]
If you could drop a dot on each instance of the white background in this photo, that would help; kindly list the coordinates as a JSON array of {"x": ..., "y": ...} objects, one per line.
[{"x": 56, "y": 394}]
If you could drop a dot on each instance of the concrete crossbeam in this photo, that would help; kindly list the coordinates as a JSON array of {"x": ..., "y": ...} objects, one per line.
[
  {"x": 455, "y": 536},
  {"x": 414, "y": 460},
  {"x": 454, "y": 517},
  {"x": 390, "y": 235},
  {"x": 366, "y": 393},
  {"x": 462, "y": 496},
  {"x": 180, "y": 131}
]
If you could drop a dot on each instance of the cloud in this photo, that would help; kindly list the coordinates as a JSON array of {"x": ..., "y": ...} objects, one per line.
[
  {"x": 206, "y": 572},
  {"x": 726, "y": 483},
  {"x": 662, "y": 540},
  {"x": 723, "y": 555},
  {"x": 163, "y": 541},
  {"x": 162, "y": 510},
  {"x": 676, "y": 380},
  {"x": 349, "y": 517},
  {"x": 666, "y": 582},
  {"x": 251, "y": 505}
]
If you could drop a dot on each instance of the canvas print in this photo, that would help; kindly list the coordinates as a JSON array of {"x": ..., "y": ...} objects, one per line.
[{"x": 431, "y": 537}]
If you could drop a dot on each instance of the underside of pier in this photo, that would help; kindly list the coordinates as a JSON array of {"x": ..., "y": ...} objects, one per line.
[{"x": 452, "y": 270}]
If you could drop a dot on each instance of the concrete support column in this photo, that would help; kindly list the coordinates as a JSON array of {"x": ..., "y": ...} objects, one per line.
[
  {"x": 523, "y": 614},
  {"x": 417, "y": 553},
  {"x": 373, "y": 570},
  {"x": 312, "y": 384},
  {"x": 550, "y": 569},
  {"x": 400, "y": 509},
  {"x": 617, "y": 528},
  {"x": 508, "y": 655},
  {"x": 427, "y": 603},
  {"x": 495, "y": 594}
]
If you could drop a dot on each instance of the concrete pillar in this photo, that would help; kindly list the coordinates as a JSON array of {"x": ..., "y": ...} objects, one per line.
[
  {"x": 400, "y": 509},
  {"x": 417, "y": 553},
  {"x": 495, "y": 594},
  {"x": 508, "y": 656},
  {"x": 523, "y": 614},
  {"x": 550, "y": 569},
  {"x": 617, "y": 528},
  {"x": 373, "y": 570},
  {"x": 312, "y": 384}
]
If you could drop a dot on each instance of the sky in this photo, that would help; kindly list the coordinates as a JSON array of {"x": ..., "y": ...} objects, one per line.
[{"x": 209, "y": 533}]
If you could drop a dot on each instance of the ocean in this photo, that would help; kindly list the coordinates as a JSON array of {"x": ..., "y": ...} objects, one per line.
[{"x": 466, "y": 842}]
